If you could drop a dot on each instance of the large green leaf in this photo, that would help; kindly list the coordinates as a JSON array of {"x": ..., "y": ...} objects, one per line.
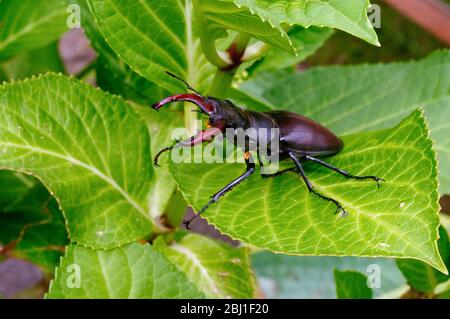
[
  {"x": 31, "y": 225},
  {"x": 422, "y": 277},
  {"x": 217, "y": 269},
  {"x": 30, "y": 24},
  {"x": 351, "y": 285},
  {"x": 152, "y": 37},
  {"x": 89, "y": 148},
  {"x": 346, "y": 15},
  {"x": 398, "y": 220},
  {"x": 133, "y": 271},
  {"x": 283, "y": 276},
  {"x": 366, "y": 97}
]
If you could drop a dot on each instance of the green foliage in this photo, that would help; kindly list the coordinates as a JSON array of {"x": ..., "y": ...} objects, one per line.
[
  {"x": 349, "y": 16},
  {"x": 422, "y": 277},
  {"x": 283, "y": 276},
  {"x": 351, "y": 285},
  {"x": 128, "y": 31},
  {"x": 32, "y": 228},
  {"x": 90, "y": 153},
  {"x": 33, "y": 62},
  {"x": 306, "y": 42},
  {"x": 29, "y": 24}
]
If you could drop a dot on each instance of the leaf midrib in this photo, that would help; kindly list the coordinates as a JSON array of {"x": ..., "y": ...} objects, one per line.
[{"x": 197, "y": 263}]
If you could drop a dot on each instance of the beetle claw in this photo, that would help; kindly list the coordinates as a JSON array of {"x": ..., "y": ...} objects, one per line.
[
  {"x": 377, "y": 179},
  {"x": 186, "y": 223}
]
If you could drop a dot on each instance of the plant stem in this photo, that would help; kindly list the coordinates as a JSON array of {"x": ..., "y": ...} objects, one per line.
[
  {"x": 190, "y": 118},
  {"x": 208, "y": 45},
  {"x": 221, "y": 82},
  {"x": 224, "y": 76}
]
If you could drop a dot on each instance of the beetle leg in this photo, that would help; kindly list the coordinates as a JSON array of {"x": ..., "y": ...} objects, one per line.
[
  {"x": 197, "y": 99},
  {"x": 342, "y": 172},
  {"x": 214, "y": 198},
  {"x": 311, "y": 187},
  {"x": 200, "y": 137},
  {"x": 290, "y": 169}
]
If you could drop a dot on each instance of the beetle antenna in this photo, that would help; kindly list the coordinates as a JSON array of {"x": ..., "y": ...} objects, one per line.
[{"x": 182, "y": 80}]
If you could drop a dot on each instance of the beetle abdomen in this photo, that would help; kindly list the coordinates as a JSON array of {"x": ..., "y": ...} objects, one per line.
[{"x": 303, "y": 135}]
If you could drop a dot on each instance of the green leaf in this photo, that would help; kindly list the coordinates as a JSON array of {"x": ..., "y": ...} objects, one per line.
[
  {"x": 422, "y": 277},
  {"x": 31, "y": 225},
  {"x": 283, "y": 276},
  {"x": 351, "y": 285},
  {"x": 306, "y": 41},
  {"x": 133, "y": 271},
  {"x": 218, "y": 16},
  {"x": 367, "y": 97},
  {"x": 168, "y": 43},
  {"x": 34, "y": 62},
  {"x": 349, "y": 16},
  {"x": 28, "y": 24},
  {"x": 90, "y": 149},
  {"x": 437, "y": 113},
  {"x": 112, "y": 74},
  {"x": 398, "y": 220},
  {"x": 217, "y": 269}
]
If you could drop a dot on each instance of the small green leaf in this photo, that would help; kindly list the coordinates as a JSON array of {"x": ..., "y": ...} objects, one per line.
[
  {"x": 351, "y": 285},
  {"x": 216, "y": 268},
  {"x": 28, "y": 24},
  {"x": 422, "y": 277},
  {"x": 153, "y": 37},
  {"x": 133, "y": 271},
  {"x": 398, "y": 220},
  {"x": 348, "y": 15},
  {"x": 89, "y": 148},
  {"x": 367, "y": 97}
]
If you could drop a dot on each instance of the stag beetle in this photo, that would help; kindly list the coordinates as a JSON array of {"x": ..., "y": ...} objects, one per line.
[{"x": 300, "y": 139}]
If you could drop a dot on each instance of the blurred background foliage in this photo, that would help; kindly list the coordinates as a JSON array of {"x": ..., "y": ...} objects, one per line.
[{"x": 279, "y": 276}]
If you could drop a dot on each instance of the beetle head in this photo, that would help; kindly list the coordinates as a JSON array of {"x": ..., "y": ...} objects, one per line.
[{"x": 221, "y": 113}]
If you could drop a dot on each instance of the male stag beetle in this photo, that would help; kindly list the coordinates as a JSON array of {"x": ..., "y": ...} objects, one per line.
[{"x": 300, "y": 139}]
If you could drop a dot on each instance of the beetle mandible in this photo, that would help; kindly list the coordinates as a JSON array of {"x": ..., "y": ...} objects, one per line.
[{"x": 300, "y": 139}]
